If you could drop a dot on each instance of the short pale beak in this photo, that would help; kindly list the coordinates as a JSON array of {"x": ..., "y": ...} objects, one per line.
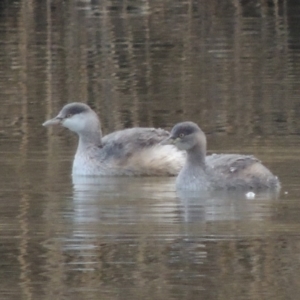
[
  {"x": 51, "y": 122},
  {"x": 168, "y": 141}
]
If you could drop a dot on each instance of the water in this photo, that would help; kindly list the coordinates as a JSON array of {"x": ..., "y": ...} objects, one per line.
[{"x": 233, "y": 67}]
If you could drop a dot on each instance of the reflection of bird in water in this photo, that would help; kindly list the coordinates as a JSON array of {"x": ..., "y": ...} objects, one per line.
[
  {"x": 123, "y": 200},
  {"x": 128, "y": 152},
  {"x": 222, "y": 171},
  {"x": 221, "y": 205}
]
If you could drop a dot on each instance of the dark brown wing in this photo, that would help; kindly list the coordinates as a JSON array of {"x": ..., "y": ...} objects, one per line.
[
  {"x": 242, "y": 170},
  {"x": 230, "y": 164}
]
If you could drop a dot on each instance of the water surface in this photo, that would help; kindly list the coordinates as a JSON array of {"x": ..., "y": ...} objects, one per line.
[{"x": 232, "y": 67}]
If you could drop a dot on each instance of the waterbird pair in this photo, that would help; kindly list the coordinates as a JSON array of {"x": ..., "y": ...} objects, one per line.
[{"x": 151, "y": 152}]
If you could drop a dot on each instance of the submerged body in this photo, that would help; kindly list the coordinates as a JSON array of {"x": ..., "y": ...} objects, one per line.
[
  {"x": 218, "y": 171},
  {"x": 128, "y": 152}
]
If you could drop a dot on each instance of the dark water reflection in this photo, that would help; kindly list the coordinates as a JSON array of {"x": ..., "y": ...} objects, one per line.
[
  {"x": 231, "y": 66},
  {"x": 135, "y": 235}
]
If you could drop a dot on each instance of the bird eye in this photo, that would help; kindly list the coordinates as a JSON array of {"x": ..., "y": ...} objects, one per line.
[
  {"x": 69, "y": 115},
  {"x": 181, "y": 135}
]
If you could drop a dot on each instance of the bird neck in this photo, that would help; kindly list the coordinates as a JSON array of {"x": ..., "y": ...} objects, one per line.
[
  {"x": 196, "y": 156},
  {"x": 90, "y": 138}
]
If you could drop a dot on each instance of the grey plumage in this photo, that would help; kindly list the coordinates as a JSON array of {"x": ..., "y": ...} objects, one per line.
[
  {"x": 217, "y": 171},
  {"x": 128, "y": 152}
]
